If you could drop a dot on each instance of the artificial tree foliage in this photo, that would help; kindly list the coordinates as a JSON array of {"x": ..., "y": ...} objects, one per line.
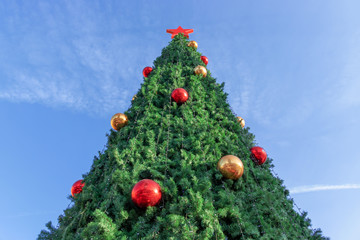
[{"x": 178, "y": 146}]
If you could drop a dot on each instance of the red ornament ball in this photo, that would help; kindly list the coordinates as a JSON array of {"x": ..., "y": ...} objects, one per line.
[
  {"x": 77, "y": 187},
  {"x": 180, "y": 95},
  {"x": 258, "y": 155},
  {"x": 147, "y": 71},
  {"x": 204, "y": 59},
  {"x": 146, "y": 193}
]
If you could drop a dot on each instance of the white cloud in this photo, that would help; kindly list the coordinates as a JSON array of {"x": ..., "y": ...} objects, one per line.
[
  {"x": 44, "y": 89},
  {"x": 345, "y": 93},
  {"x": 88, "y": 63},
  {"x": 95, "y": 97},
  {"x": 241, "y": 90},
  {"x": 316, "y": 188},
  {"x": 350, "y": 84}
]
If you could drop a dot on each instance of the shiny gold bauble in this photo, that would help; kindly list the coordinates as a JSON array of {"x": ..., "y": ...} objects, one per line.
[
  {"x": 193, "y": 44},
  {"x": 133, "y": 98},
  {"x": 241, "y": 121},
  {"x": 118, "y": 121},
  {"x": 200, "y": 70},
  {"x": 231, "y": 167}
]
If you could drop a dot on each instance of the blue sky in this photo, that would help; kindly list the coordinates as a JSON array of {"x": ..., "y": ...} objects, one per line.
[{"x": 291, "y": 70}]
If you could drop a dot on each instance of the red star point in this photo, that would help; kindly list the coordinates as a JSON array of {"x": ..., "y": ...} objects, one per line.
[{"x": 175, "y": 32}]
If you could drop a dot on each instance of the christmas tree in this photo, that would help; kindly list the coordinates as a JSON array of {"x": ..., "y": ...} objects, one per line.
[{"x": 180, "y": 165}]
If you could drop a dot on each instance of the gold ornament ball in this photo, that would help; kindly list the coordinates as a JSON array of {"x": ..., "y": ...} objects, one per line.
[
  {"x": 241, "y": 121},
  {"x": 231, "y": 167},
  {"x": 133, "y": 98},
  {"x": 118, "y": 121},
  {"x": 200, "y": 70},
  {"x": 193, "y": 44}
]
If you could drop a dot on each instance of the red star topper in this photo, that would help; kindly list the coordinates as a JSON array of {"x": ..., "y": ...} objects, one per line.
[{"x": 175, "y": 32}]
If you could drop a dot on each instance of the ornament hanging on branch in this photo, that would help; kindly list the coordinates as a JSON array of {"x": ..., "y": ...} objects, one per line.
[
  {"x": 118, "y": 121},
  {"x": 147, "y": 71},
  {"x": 133, "y": 97},
  {"x": 231, "y": 167},
  {"x": 205, "y": 60},
  {"x": 193, "y": 44},
  {"x": 258, "y": 155},
  {"x": 77, "y": 187},
  {"x": 241, "y": 121},
  {"x": 180, "y": 95},
  {"x": 146, "y": 193},
  {"x": 200, "y": 70}
]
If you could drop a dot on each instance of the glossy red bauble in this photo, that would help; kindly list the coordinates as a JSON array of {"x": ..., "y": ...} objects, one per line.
[
  {"x": 258, "y": 155},
  {"x": 147, "y": 71},
  {"x": 77, "y": 187},
  {"x": 180, "y": 95},
  {"x": 146, "y": 193},
  {"x": 204, "y": 59}
]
